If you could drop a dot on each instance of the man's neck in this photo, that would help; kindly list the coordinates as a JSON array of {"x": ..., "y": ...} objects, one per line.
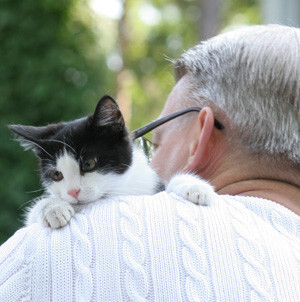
[
  {"x": 255, "y": 176},
  {"x": 281, "y": 192}
]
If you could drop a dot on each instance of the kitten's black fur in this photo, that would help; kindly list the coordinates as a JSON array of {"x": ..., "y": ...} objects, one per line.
[{"x": 101, "y": 136}]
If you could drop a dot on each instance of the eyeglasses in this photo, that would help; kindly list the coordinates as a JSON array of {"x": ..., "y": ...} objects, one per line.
[{"x": 146, "y": 145}]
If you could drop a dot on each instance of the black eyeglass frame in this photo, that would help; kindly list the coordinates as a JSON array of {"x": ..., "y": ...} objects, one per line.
[{"x": 152, "y": 125}]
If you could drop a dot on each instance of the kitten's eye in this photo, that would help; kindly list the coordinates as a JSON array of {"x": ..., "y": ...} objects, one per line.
[
  {"x": 56, "y": 175},
  {"x": 88, "y": 164}
]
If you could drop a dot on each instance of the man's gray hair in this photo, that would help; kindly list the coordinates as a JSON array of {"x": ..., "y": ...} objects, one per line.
[{"x": 253, "y": 75}]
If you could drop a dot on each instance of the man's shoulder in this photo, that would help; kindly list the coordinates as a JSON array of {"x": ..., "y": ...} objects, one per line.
[
  {"x": 134, "y": 212},
  {"x": 152, "y": 247}
]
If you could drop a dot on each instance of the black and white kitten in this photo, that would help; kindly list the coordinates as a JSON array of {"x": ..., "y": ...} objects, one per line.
[{"x": 91, "y": 158}]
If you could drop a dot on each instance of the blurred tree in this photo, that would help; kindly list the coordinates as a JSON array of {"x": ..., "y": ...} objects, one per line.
[
  {"x": 240, "y": 12},
  {"x": 51, "y": 69},
  {"x": 153, "y": 33},
  {"x": 210, "y": 18},
  {"x": 285, "y": 12}
]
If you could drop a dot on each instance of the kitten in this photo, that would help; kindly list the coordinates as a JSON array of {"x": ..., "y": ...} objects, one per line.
[{"x": 89, "y": 159}]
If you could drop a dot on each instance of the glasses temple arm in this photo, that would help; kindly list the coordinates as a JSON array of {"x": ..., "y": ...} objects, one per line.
[{"x": 148, "y": 127}]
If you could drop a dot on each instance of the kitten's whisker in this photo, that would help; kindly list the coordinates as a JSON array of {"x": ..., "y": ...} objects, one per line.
[
  {"x": 34, "y": 191},
  {"x": 64, "y": 143},
  {"x": 82, "y": 152},
  {"x": 24, "y": 204},
  {"x": 31, "y": 142}
]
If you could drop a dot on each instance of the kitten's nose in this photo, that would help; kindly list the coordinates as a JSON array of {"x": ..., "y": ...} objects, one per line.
[{"x": 74, "y": 193}]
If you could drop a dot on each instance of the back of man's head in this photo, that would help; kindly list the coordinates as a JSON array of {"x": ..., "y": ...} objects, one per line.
[{"x": 253, "y": 76}]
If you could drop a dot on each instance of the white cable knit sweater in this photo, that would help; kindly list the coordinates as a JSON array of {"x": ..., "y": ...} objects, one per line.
[{"x": 158, "y": 248}]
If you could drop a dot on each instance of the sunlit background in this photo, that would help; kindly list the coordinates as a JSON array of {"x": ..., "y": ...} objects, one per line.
[{"x": 57, "y": 58}]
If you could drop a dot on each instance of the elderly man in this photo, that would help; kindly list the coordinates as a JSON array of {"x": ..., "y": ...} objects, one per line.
[{"x": 245, "y": 246}]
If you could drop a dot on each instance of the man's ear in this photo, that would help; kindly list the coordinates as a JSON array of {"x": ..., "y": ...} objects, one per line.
[{"x": 202, "y": 142}]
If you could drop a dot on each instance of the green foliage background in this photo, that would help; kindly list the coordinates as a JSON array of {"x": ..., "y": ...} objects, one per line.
[
  {"x": 53, "y": 67},
  {"x": 50, "y": 70}
]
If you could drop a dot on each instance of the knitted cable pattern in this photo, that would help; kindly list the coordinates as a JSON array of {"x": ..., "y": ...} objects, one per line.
[
  {"x": 158, "y": 248},
  {"x": 19, "y": 268},
  {"x": 289, "y": 230},
  {"x": 61, "y": 261},
  {"x": 82, "y": 254},
  {"x": 136, "y": 282},
  {"x": 253, "y": 251},
  {"x": 193, "y": 257},
  {"x": 26, "y": 295}
]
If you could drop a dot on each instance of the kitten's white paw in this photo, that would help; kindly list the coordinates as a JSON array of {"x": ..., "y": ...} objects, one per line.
[
  {"x": 57, "y": 215},
  {"x": 192, "y": 188}
]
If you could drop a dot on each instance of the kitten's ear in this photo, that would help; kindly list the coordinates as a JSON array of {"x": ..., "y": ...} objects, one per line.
[
  {"x": 107, "y": 113},
  {"x": 31, "y": 137}
]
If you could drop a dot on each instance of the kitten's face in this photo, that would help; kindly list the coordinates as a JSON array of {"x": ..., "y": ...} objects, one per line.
[{"x": 82, "y": 160}]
